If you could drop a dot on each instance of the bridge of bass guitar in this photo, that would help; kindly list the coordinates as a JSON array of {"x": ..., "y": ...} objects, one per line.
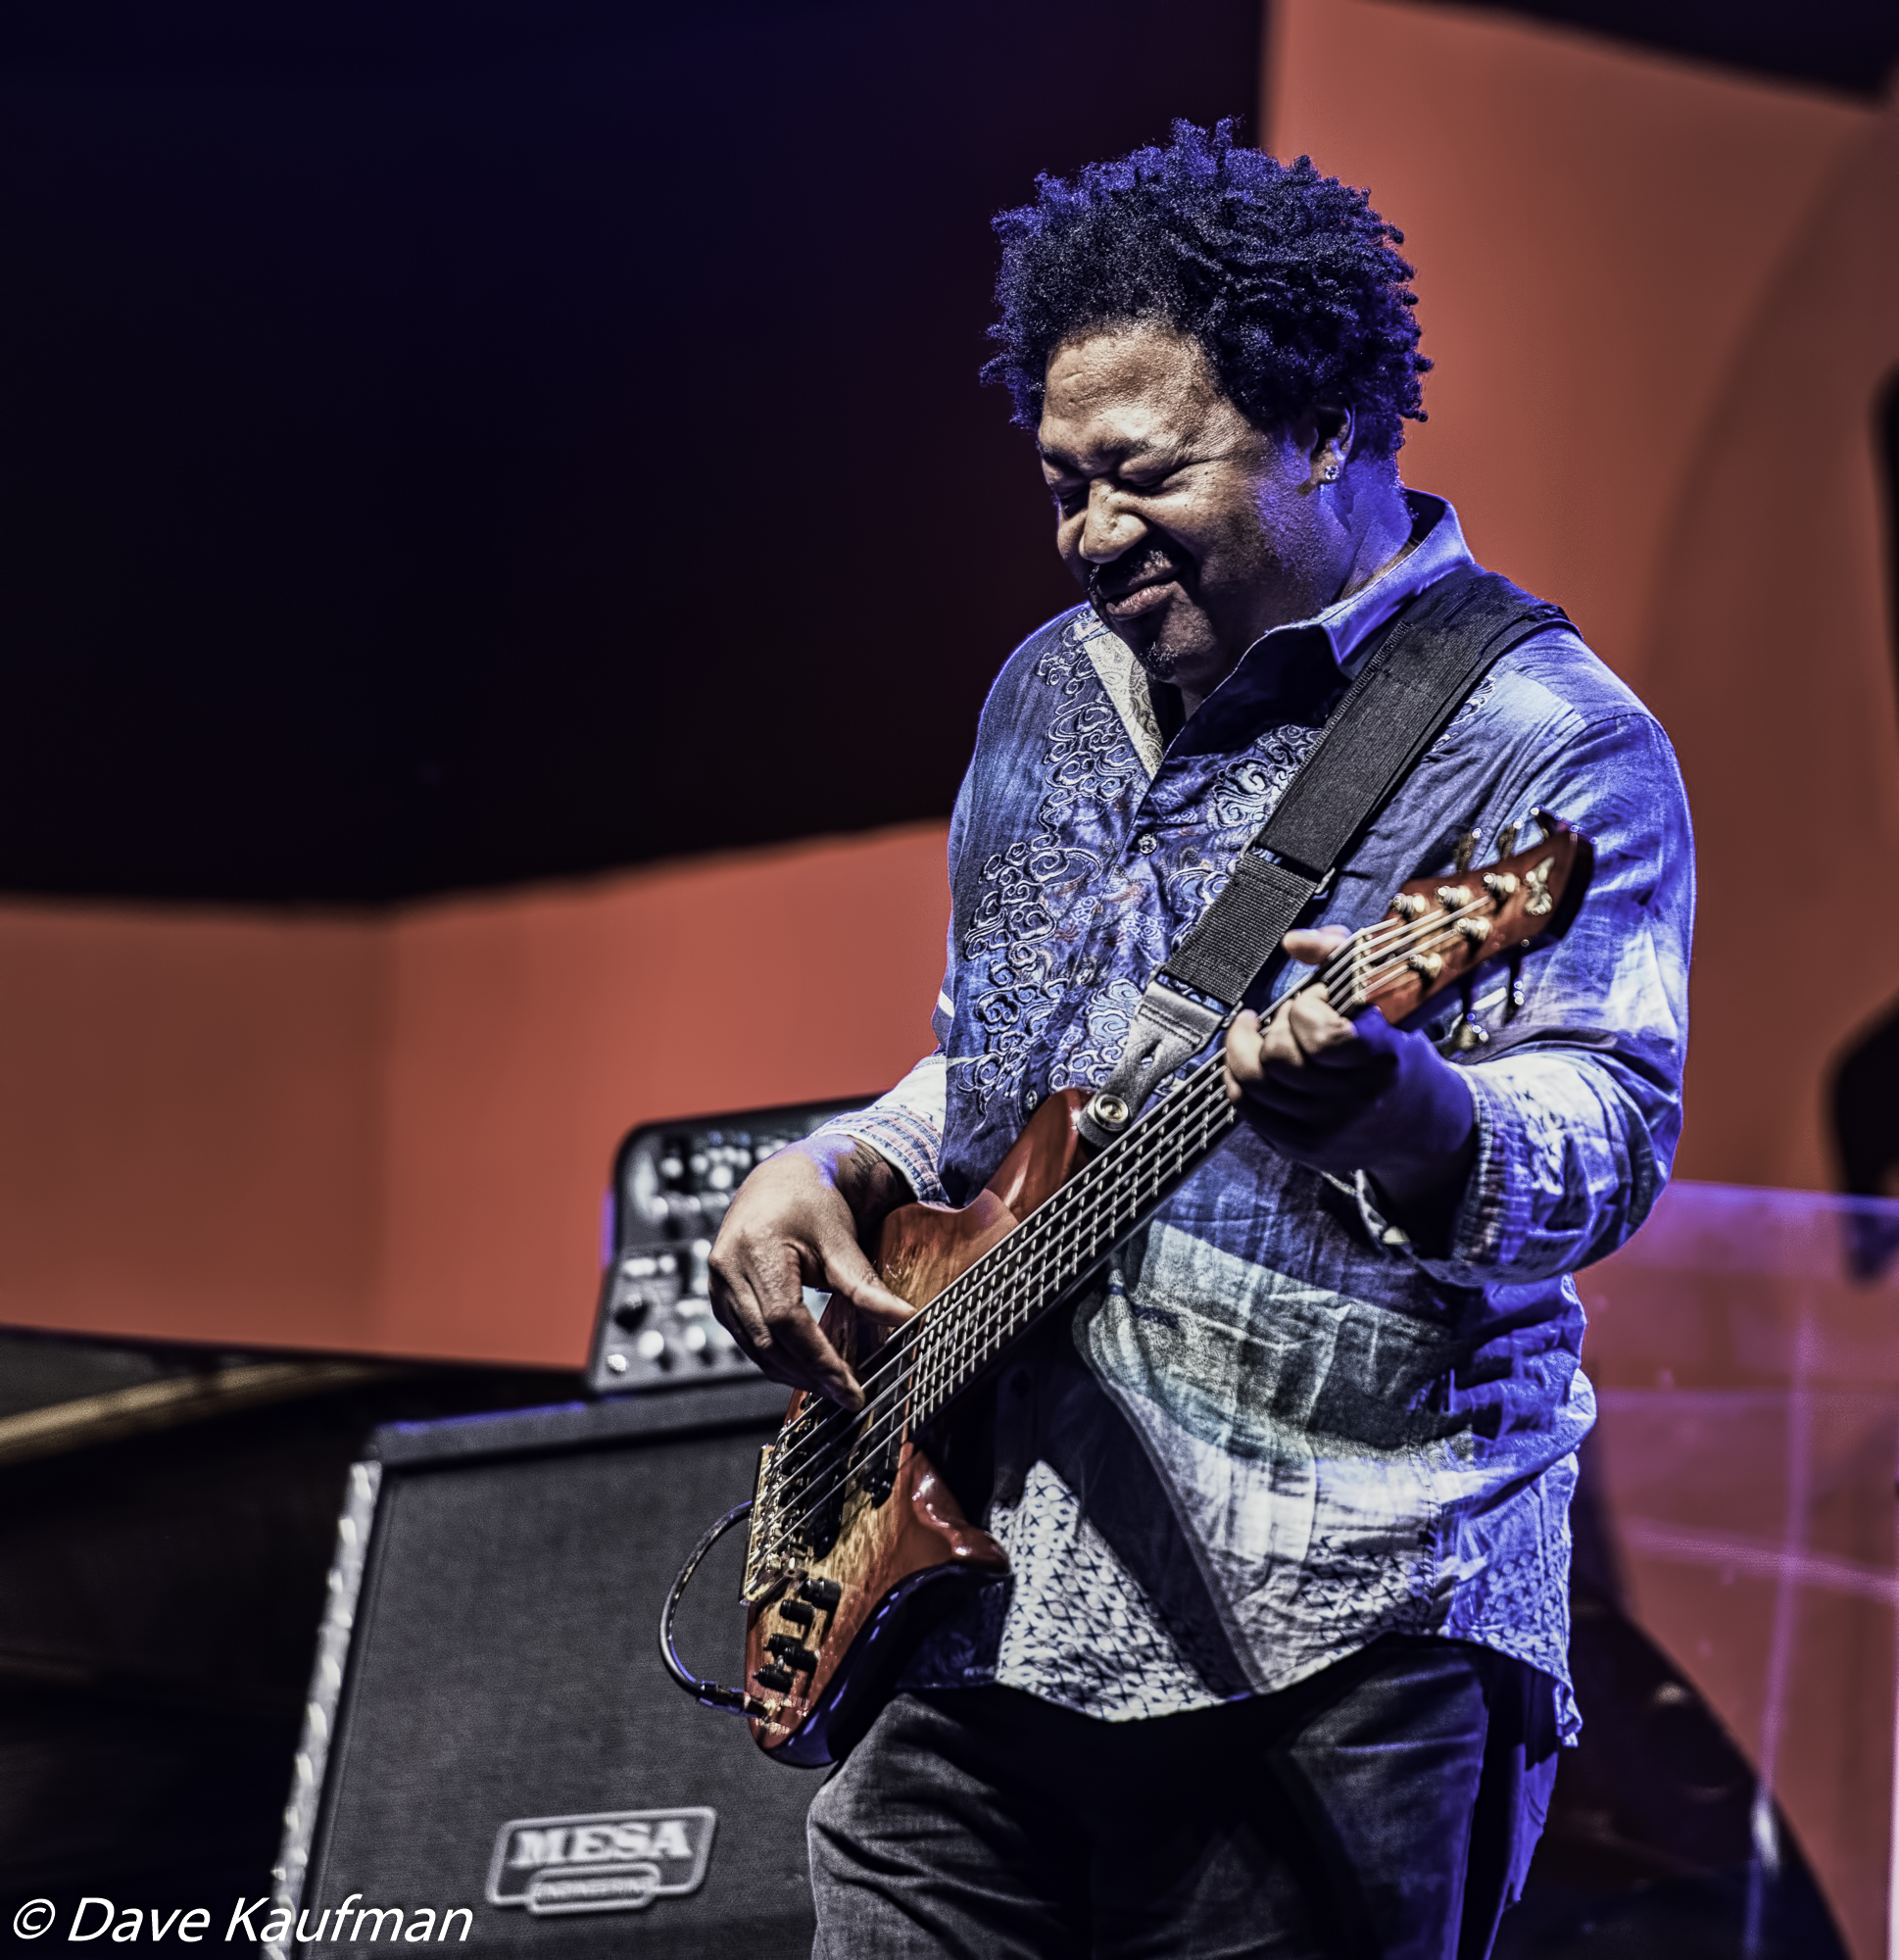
[{"x": 825, "y": 1636}]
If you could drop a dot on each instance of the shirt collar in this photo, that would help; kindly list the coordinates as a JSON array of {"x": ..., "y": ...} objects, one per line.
[
  {"x": 1436, "y": 547},
  {"x": 1281, "y": 667}
]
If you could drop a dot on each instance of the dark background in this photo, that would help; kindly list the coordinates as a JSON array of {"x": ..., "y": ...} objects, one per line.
[
  {"x": 454, "y": 445},
  {"x": 443, "y": 445}
]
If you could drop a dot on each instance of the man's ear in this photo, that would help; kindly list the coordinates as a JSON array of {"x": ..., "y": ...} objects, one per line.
[{"x": 1333, "y": 430}]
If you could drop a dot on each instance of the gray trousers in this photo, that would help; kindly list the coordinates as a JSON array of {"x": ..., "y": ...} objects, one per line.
[{"x": 1386, "y": 1807}]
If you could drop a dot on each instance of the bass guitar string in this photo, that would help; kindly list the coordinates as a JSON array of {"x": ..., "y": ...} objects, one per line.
[
  {"x": 1102, "y": 1227},
  {"x": 1027, "y": 1249},
  {"x": 931, "y": 1340},
  {"x": 981, "y": 1274},
  {"x": 839, "y": 1429},
  {"x": 1003, "y": 1263},
  {"x": 975, "y": 1345},
  {"x": 937, "y": 1339},
  {"x": 1023, "y": 1292},
  {"x": 1384, "y": 938},
  {"x": 1030, "y": 1292},
  {"x": 1212, "y": 1115}
]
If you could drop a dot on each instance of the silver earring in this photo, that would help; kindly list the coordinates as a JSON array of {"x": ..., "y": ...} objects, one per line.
[{"x": 1329, "y": 474}]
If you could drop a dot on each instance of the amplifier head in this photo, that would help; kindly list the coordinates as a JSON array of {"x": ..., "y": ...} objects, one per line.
[{"x": 672, "y": 1184}]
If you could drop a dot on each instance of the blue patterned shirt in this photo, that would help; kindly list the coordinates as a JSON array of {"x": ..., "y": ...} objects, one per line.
[{"x": 1274, "y": 1430}]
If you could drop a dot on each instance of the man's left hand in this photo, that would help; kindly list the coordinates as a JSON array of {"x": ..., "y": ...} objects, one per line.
[{"x": 1345, "y": 1095}]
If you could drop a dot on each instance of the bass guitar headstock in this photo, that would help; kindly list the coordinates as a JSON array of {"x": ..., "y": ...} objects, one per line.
[{"x": 1438, "y": 933}]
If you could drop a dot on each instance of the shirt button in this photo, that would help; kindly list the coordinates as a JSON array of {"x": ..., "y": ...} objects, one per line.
[
  {"x": 1030, "y": 1099},
  {"x": 1147, "y": 843}
]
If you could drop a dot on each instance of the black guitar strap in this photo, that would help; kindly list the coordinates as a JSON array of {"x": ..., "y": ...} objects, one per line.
[{"x": 1434, "y": 655}]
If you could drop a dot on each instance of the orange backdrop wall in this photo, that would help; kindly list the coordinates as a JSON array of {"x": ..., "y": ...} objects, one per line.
[{"x": 393, "y": 1135}]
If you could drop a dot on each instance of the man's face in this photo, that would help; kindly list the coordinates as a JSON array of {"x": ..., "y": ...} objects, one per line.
[{"x": 1192, "y": 531}]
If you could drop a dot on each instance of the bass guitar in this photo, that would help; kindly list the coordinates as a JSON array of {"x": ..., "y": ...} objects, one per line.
[{"x": 852, "y": 1531}]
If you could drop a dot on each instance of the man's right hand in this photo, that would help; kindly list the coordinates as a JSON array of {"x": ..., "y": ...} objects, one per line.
[{"x": 796, "y": 1223}]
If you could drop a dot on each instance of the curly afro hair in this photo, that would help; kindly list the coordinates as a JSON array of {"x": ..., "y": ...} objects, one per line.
[{"x": 1287, "y": 278}]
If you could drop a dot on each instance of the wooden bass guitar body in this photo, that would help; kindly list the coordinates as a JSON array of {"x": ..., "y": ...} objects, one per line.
[{"x": 890, "y": 1550}]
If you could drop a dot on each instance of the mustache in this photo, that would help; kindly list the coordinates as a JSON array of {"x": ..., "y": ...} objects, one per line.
[{"x": 1142, "y": 563}]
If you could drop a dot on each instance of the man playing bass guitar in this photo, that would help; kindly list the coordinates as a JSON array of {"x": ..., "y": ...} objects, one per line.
[{"x": 1280, "y": 1662}]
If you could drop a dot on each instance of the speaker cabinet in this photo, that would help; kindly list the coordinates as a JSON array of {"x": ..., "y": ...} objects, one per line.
[{"x": 493, "y": 1756}]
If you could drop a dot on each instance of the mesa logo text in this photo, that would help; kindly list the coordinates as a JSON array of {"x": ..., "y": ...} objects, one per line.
[
  {"x": 612, "y": 1861},
  {"x": 252, "y": 1921}
]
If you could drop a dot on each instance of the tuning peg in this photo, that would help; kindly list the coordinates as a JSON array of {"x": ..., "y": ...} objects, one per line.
[
  {"x": 1465, "y": 849},
  {"x": 1465, "y": 1034}
]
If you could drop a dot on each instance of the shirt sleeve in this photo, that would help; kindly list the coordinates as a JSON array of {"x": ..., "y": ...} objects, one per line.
[
  {"x": 1579, "y": 1096},
  {"x": 905, "y": 1124}
]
